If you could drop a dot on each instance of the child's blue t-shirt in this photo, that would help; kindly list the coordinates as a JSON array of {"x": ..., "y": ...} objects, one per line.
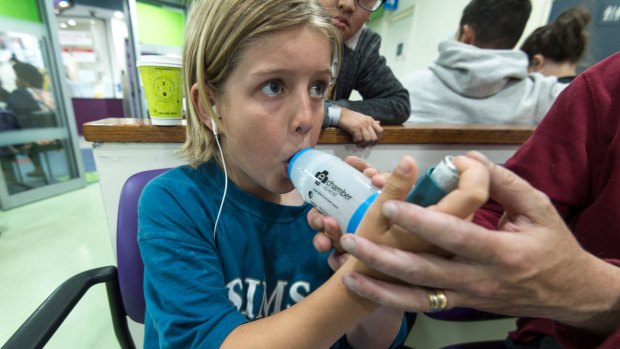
[{"x": 198, "y": 288}]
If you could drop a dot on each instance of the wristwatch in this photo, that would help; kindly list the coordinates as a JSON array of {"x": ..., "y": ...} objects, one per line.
[{"x": 333, "y": 112}]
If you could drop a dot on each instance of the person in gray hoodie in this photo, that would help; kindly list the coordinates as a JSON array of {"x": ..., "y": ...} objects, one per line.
[{"x": 479, "y": 78}]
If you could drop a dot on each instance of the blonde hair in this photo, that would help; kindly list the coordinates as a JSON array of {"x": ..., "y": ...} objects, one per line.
[{"x": 218, "y": 32}]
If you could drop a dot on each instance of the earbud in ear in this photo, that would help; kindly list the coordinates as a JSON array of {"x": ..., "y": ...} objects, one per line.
[
  {"x": 213, "y": 125},
  {"x": 214, "y": 128}
]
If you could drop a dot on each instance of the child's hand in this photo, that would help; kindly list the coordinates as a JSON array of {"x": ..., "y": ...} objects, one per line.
[
  {"x": 364, "y": 130},
  {"x": 329, "y": 230}
]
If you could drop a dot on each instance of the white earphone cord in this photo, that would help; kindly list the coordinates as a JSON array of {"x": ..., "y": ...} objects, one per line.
[{"x": 217, "y": 219}]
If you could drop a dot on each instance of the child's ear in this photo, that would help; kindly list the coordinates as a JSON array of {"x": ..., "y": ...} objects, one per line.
[{"x": 199, "y": 106}]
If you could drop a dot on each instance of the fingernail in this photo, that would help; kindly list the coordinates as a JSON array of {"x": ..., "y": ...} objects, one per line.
[
  {"x": 318, "y": 223},
  {"x": 315, "y": 243},
  {"x": 480, "y": 157},
  {"x": 403, "y": 167},
  {"x": 350, "y": 281},
  {"x": 348, "y": 243},
  {"x": 389, "y": 209}
]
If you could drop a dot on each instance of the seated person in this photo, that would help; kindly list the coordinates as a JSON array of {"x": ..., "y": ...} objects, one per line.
[
  {"x": 26, "y": 102},
  {"x": 29, "y": 97},
  {"x": 479, "y": 78},
  {"x": 227, "y": 252},
  {"x": 556, "y": 48},
  {"x": 385, "y": 100}
]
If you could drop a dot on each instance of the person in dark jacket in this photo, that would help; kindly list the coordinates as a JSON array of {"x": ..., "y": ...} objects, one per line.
[{"x": 385, "y": 100}]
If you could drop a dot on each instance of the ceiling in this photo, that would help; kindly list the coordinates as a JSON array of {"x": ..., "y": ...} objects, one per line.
[
  {"x": 118, "y": 4},
  {"x": 174, "y": 3}
]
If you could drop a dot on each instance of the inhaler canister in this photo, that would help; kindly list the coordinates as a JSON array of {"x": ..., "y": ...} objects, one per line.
[{"x": 337, "y": 189}]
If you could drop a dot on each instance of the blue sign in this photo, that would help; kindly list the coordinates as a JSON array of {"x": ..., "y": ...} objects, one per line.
[{"x": 391, "y": 5}]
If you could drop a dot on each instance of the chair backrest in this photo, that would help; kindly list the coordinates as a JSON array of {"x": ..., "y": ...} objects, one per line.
[{"x": 130, "y": 267}]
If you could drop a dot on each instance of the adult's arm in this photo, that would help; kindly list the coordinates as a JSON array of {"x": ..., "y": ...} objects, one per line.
[{"x": 532, "y": 266}]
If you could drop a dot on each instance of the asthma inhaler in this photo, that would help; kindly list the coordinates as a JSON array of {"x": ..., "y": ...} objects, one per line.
[
  {"x": 436, "y": 183},
  {"x": 337, "y": 189}
]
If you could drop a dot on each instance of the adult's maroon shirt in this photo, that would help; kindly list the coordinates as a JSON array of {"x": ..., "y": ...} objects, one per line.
[{"x": 574, "y": 157}]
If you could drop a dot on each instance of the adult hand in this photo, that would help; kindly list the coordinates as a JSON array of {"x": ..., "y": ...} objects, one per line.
[
  {"x": 532, "y": 266},
  {"x": 364, "y": 130}
]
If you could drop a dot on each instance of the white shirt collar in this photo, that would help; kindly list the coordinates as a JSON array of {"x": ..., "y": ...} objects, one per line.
[{"x": 352, "y": 42}]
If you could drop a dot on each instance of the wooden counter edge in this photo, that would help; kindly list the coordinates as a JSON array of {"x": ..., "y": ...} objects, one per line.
[{"x": 127, "y": 130}]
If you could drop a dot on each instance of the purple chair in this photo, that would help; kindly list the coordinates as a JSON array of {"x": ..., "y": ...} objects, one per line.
[
  {"x": 130, "y": 267},
  {"x": 124, "y": 283}
]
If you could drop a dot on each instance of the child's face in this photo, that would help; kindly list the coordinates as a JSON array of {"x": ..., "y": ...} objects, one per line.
[
  {"x": 347, "y": 15},
  {"x": 272, "y": 106}
]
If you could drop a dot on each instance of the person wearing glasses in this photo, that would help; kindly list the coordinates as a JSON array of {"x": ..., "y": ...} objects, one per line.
[{"x": 385, "y": 100}]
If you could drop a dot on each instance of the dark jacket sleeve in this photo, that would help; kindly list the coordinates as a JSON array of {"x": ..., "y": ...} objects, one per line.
[
  {"x": 365, "y": 70},
  {"x": 21, "y": 101}
]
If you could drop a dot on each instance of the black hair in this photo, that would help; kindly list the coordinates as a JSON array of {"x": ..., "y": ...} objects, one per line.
[
  {"x": 498, "y": 24},
  {"x": 563, "y": 40},
  {"x": 28, "y": 73}
]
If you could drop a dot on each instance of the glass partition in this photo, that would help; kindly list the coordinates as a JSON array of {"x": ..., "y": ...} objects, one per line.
[{"x": 38, "y": 145}]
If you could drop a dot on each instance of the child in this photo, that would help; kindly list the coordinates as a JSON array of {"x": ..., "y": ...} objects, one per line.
[
  {"x": 386, "y": 101},
  {"x": 228, "y": 254}
]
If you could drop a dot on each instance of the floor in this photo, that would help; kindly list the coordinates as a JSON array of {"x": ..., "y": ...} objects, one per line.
[{"x": 41, "y": 245}]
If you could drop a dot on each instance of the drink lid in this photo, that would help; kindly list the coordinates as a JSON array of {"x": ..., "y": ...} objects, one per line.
[{"x": 166, "y": 61}]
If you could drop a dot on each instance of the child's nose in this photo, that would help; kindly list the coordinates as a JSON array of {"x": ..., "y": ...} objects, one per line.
[{"x": 304, "y": 113}]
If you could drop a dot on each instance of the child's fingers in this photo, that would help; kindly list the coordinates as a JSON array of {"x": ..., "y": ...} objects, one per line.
[
  {"x": 397, "y": 186},
  {"x": 472, "y": 191},
  {"x": 357, "y": 163}
]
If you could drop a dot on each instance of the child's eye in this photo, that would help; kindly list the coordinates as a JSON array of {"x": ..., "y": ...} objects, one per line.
[
  {"x": 272, "y": 88},
  {"x": 318, "y": 89}
]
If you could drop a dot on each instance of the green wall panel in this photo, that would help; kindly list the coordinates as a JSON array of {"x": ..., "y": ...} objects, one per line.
[
  {"x": 160, "y": 26},
  {"x": 26, "y": 10}
]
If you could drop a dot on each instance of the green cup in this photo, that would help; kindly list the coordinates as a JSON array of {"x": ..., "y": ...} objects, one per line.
[{"x": 163, "y": 88}]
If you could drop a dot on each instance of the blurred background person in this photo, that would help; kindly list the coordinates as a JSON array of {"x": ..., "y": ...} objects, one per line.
[
  {"x": 32, "y": 106},
  {"x": 556, "y": 48},
  {"x": 479, "y": 78},
  {"x": 29, "y": 96}
]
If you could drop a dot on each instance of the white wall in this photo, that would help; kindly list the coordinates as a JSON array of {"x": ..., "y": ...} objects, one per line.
[{"x": 430, "y": 22}]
